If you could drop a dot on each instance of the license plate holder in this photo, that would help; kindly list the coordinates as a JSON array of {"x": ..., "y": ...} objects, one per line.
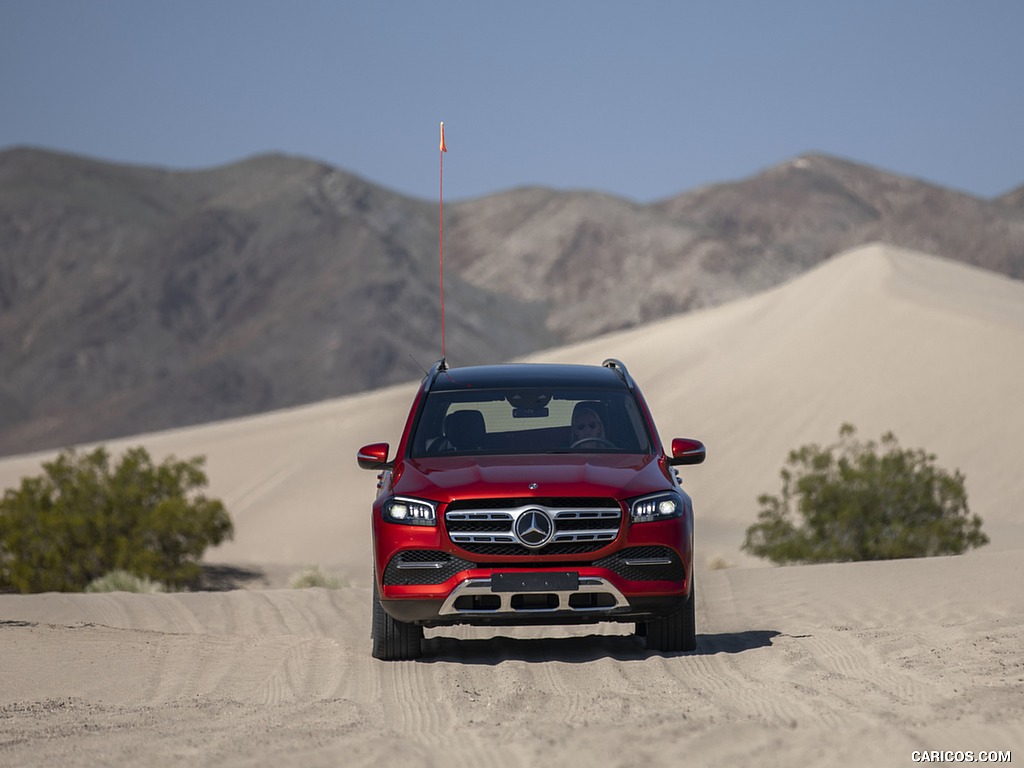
[{"x": 545, "y": 581}]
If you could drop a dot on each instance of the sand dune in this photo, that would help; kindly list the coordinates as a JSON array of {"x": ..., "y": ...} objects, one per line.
[
  {"x": 796, "y": 666},
  {"x": 801, "y": 665},
  {"x": 883, "y": 338}
]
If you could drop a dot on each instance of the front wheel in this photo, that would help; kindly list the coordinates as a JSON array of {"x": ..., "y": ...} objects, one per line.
[
  {"x": 677, "y": 631},
  {"x": 393, "y": 640}
]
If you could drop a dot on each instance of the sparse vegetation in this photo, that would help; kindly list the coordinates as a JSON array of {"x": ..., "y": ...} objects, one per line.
[
  {"x": 313, "y": 576},
  {"x": 122, "y": 581},
  {"x": 717, "y": 563},
  {"x": 863, "y": 501},
  {"x": 84, "y": 518}
]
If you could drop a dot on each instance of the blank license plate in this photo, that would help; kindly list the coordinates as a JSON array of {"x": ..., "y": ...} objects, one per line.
[{"x": 554, "y": 581}]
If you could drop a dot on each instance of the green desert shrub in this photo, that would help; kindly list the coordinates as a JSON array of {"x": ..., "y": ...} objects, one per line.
[
  {"x": 863, "y": 501},
  {"x": 84, "y": 517}
]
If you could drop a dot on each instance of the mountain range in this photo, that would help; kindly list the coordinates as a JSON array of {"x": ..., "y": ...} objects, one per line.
[{"x": 134, "y": 299}]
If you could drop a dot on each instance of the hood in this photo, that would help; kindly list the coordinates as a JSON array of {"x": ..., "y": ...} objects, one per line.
[{"x": 615, "y": 476}]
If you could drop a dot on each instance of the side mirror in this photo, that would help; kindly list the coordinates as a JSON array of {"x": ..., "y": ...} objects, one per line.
[
  {"x": 374, "y": 456},
  {"x": 687, "y": 451}
]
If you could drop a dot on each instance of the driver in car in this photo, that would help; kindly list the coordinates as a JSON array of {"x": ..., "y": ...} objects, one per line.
[{"x": 587, "y": 426}]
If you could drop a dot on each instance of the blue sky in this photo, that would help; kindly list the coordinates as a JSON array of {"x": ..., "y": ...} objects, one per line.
[{"x": 639, "y": 99}]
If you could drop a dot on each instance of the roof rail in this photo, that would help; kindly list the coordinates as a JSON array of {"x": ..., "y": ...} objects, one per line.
[
  {"x": 439, "y": 367},
  {"x": 619, "y": 368}
]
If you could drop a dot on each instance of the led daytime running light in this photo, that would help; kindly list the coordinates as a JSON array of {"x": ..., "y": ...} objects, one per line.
[
  {"x": 409, "y": 511},
  {"x": 661, "y": 506}
]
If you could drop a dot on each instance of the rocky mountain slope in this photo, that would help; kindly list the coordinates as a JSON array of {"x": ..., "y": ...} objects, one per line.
[
  {"x": 605, "y": 263},
  {"x": 134, "y": 299}
]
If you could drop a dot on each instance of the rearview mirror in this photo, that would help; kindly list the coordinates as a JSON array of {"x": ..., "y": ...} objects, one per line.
[
  {"x": 687, "y": 451},
  {"x": 374, "y": 456}
]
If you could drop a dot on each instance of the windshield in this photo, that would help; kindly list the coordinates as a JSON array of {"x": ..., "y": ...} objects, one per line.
[{"x": 515, "y": 421}]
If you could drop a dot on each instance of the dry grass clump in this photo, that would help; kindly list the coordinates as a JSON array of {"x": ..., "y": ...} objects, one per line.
[
  {"x": 717, "y": 563},
  {"x": 314, "y": 576},
  {"x": 123, "y": 581}
]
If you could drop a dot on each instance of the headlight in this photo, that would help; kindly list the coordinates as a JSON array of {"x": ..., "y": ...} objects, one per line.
[
  {"x": 409, "y": 511},
  {"x": 658, "y": 506}
]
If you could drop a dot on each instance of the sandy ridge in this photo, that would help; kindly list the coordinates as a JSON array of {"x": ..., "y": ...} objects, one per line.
[
  {"x": 801, "y": 665},
  {"x": 796, "y": 659}
]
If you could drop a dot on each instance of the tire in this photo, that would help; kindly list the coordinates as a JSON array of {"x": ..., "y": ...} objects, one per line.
[
  {"x": 393, "y": 640},
  {"x": 677, "y": 631}
]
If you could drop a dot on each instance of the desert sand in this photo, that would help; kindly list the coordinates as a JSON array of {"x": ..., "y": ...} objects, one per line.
[{"x": 804, "y": 665}]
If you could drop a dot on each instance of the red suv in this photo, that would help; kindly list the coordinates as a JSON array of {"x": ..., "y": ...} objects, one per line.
[{"x": 531, "y": 494}]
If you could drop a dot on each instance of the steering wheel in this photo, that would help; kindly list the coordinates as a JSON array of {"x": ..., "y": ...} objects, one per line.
[{"x": 599, "y": 440}]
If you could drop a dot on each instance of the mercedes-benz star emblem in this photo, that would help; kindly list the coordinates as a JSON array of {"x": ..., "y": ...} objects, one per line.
[{"x": 534, "y": 528}]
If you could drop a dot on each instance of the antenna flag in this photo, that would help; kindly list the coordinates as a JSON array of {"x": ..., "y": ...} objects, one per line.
[{"x": 443, "y": 147}]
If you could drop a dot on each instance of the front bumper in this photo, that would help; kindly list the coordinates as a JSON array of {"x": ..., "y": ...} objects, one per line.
[
  {"x": 424, "y": 579},
  {"x": 534, "y": 596},
  {"x": 482, "y": 597}
]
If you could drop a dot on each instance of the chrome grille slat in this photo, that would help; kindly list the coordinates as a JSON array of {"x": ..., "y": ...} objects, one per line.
[
  {"x": 589, "y": 514},
  {"x": 482, "y": 538},
  {"x": 479, "y": 515},
  {"x": 591, "y": 525},
  {"x": 562, "y": 538}
]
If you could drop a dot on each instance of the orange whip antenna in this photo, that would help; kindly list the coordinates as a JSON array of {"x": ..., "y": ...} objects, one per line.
[{"x": 440, "y": 227}]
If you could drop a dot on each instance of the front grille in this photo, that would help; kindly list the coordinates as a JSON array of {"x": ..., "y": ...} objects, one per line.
[
  {"x": 418, "y": 566},
  {"x": 551, "y": 502},
  {"x": 488, "y": 526},
  {"x": 645, "y": 564}
]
